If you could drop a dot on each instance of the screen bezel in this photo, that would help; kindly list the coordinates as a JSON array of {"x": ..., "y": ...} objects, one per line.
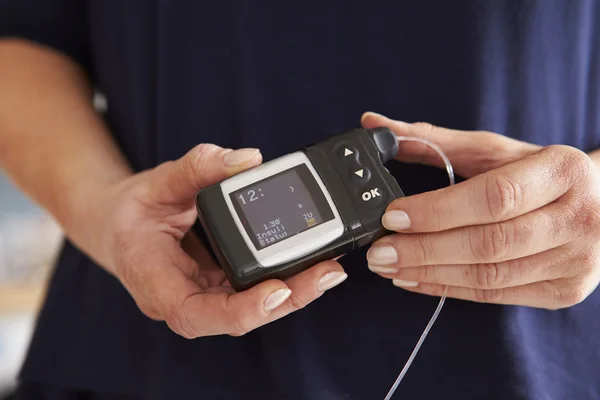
[
  {"x": 295, "y": 246},
  {"x": 313, "y": 189}
]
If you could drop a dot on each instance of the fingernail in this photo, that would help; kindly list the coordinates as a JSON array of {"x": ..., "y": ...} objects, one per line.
[
  {"x": 276, "y": 299},
  {"x": 240, "y": 156},
  {"x": 396, "y": 220},
  {"x": 382, "y": 254},
  {"x": 401, "y": 283},
  {"x": 382, "y": 270},
  {"x": 331, "y": 279}
]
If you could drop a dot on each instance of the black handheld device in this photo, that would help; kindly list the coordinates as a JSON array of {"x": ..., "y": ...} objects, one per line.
[{"x": 288, "y": 214}]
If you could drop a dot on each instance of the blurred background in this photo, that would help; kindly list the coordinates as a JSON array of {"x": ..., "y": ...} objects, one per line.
[{"x": 29, "y": 244}]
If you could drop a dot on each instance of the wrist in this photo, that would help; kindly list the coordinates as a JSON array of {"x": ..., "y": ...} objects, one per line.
[{"x": 84, "y": 212}]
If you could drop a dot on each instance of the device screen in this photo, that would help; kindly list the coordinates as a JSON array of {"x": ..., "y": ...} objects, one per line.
[{"x": 281, "y": 206}]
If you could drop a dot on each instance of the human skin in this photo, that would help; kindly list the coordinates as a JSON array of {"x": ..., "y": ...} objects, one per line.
[
  {"x": 522, "y": 229},
  {"x": 136, "y": 226}
]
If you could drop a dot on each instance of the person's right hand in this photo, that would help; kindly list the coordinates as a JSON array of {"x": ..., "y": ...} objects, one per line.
[{"x": 145, "y": 225}]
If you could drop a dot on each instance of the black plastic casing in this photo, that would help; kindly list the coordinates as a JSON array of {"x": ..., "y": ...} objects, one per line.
[{"x": 360, "y": 201}]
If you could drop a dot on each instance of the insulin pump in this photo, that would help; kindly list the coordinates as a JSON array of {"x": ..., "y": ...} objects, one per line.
[
  {"x": 315, "y": 204},
  {"x": 288, "y": 214}
]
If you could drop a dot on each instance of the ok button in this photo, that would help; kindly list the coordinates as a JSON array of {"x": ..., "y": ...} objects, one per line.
[{"x": 372, "y": 196}]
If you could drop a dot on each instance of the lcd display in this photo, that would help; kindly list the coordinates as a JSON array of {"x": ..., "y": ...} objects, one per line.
[{"x": 281, "y": 206}]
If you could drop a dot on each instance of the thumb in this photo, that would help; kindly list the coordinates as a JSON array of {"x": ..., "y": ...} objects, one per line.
[
  {"x": 178, "y": 181},
  {"x": 470, "y": 152}
]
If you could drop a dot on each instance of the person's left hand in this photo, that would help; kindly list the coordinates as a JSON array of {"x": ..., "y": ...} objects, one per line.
[{"x": 523, "y": 229}]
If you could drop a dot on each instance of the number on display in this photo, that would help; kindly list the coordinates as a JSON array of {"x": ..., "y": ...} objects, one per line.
[{"x": 251, "y": 194}]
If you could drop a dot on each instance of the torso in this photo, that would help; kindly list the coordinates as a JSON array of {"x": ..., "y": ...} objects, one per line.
[{"x": 276, "y": 76}]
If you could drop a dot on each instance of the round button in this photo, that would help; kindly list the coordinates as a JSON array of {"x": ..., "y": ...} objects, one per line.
[
  {"x": 371, "y": 195},
  {"x": 359, "y": 175},
  {"x": 347, "y": 152}
]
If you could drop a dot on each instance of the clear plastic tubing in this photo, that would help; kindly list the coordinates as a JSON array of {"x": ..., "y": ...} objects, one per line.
[{"x": 450, "y": 172}]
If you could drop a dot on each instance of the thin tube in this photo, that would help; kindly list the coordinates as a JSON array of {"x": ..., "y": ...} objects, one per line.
[
  {"x": 437, "y": 149},
  {"x": 450, "y": 171}
]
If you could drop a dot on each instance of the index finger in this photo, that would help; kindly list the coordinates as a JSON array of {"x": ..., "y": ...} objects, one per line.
[{"x": 498, "y": 195}]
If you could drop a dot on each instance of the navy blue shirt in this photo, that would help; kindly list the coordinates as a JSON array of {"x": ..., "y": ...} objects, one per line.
[{"x": 278, "y": 75}]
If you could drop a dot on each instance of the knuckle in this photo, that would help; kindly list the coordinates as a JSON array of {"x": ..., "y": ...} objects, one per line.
[
  {"x": 587, "y": 218},
  {"x": 426, "y": 274},
  {"x": 428, "y": 132},
  {"x": 177, "y": 317},
  {"x": 494, "y": 142},
  {"x": 500, "y": 151},
  {"x": 423, "y": 253},
  {"x": 202, "y": 155},
  {"x": 170, "y": 316},
  {"x": 589, "y": 262},
  {"x": 243, "y": 323},
  {"x": 491, "y": 242},
  {"x": 487, "y": 276},
  {"x": 173, "y": 317},
  {"x": 574, "y": 293},
  {"x": 502, "y": 195},
  {"x": 189, "y": 165},
  {"x": 196, "y": 160},
  {"x": 296, "y": 303},
  {"x": 489, "y": 295},
  {"x": 584, "y": 266},
  {"x": 577, "y": 163},
  {"x": 427, "y": 128},
  {"x": 573, "y": 163},
  {"x": 201, "y": 151},
  {"x": 434, "y": 215}
]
